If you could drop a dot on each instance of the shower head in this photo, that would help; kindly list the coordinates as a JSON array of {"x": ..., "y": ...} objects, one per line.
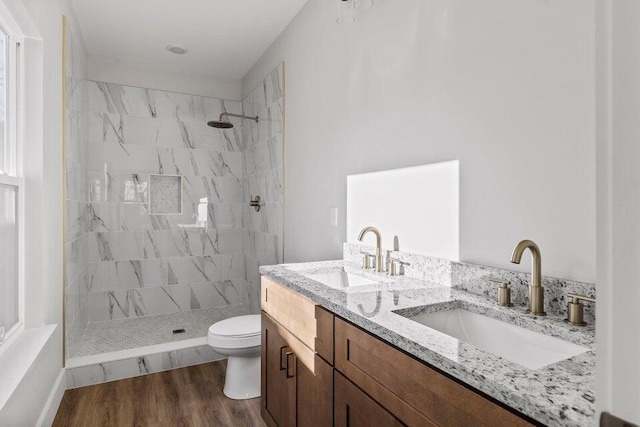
[
  {"x": 225, "y": 124},
  {"x": 220, "y": 125}
]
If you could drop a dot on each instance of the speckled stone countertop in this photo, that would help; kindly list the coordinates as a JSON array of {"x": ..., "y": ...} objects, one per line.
[{"x": 560, "y": 394}]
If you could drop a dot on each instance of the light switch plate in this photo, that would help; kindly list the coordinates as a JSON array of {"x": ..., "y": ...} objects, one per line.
[{"x": 334, "y": 216}]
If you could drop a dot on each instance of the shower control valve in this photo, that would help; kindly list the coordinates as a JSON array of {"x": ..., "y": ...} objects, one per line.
[{"x": 256, "y": 203}]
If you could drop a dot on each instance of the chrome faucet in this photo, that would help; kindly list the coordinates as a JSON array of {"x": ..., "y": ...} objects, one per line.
[
  {"x": 536, "y": 291},
  {"x": 379, "y": 264}
]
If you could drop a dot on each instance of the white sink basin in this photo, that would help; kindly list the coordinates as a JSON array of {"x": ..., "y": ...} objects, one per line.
[
  {"x": 340, "y": 279},
  {"x": 530, "y": 349}
]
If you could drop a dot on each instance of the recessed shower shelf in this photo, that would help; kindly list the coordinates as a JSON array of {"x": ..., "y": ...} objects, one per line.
[{"x": 165, "y": 194}]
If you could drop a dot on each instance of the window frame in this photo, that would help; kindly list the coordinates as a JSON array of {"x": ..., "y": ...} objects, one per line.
[{"x": 14, "y": 132}]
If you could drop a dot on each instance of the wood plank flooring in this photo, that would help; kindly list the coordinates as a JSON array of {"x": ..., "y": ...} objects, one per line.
[{"x": 182, "y": 397}]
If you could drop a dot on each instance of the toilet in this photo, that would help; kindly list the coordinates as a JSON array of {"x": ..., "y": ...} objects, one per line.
[{"x": 239, "y": 339}]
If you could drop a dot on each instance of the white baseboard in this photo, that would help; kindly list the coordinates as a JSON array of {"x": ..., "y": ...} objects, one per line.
[{"x": 50, "y": 410}]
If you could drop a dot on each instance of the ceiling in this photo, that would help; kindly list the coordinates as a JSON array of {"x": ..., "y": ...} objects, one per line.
[{"x": 224, "y": 37}]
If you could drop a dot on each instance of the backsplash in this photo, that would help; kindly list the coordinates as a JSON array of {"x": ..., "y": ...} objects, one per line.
[
  {"x": 420, "y": 267},
  {"x": 475, "y": 279}
]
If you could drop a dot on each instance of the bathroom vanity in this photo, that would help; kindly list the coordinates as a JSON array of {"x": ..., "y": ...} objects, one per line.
[{"x": 344, "y": 346}]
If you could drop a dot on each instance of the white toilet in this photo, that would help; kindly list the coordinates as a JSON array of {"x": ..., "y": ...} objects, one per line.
[{"x": 239, "y": 338}]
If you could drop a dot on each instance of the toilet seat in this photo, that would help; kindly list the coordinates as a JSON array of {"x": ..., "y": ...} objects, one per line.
[{"x": 236, "y": 332}]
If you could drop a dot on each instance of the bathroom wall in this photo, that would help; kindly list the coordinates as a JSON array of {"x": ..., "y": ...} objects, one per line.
[
  {"x": 618, "y": 131},
  {"x": 76, "y": 195},
  {"x": 504, "y": 87},
  {"x": 427, "y": 196},
  {"x": 141, "y": 263},
  {"x": 264, "y": 173},
  {"x": 36, "y": 399},
  {"x": 134, "y": 73}
]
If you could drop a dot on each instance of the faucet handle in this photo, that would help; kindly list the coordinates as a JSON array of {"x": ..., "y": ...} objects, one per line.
[
  {"x": 392, "y": 265},
  {"x": 503, "y": 283},
  {"x": 577, "y": 298},
  {"x": 366, "y": 260},
  {"x": 504, "y": 291},
  {"x": 390, "y": 259},
  {"x": 575, "y": 309}
]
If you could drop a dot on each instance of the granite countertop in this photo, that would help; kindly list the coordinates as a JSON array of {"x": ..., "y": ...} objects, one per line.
[{"x": 559, "y": 394}]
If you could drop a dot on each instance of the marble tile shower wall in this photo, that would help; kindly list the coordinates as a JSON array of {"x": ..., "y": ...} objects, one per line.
[
  {"x": 264, "y": 177},
  {"x": 140, "y": 264},
  {"x": 125, "y": 262},
  {"x": 76, "y": 196}
]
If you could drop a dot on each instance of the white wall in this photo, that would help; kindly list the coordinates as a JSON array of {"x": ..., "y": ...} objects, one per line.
[
  {"x": 47, "y": 16},
  {"x": 38, "y": 395},
  {"x": 140, "y": 74},
  {"x": 426, "y": 197},
  {"x": 618, "y": 133},
  {"x": 44, "y": 213},
  {"x": 505, "y": 87}
]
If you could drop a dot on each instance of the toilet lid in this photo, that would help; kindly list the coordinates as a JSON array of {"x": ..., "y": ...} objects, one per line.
[{"x": 240, "y": 326}]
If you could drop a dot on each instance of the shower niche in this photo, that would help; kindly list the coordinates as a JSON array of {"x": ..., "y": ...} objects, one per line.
[
  {"x": 159, "y": 231},
  {"x": 165, "y": 194}
]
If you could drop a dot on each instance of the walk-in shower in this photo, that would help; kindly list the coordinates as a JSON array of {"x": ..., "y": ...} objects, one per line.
[{"x": 161, "y": 239}]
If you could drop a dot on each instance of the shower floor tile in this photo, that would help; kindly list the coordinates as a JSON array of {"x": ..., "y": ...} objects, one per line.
[{"x": 124, "y": 334}]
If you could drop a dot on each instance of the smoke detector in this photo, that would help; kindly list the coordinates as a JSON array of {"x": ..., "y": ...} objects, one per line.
[{"x": 178, "y": 50}]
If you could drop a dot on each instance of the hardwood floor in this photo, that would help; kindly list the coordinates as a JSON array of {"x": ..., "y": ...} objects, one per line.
[{"x": 182, "y": 397}]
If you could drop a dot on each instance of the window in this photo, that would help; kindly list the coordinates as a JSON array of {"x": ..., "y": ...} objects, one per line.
[
  {"x": 6, "y": 163},
  {"x": 10, "y": 190},
  {"x": 8, "y": 260}
]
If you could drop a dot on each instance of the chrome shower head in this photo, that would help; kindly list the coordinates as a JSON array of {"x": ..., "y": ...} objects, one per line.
[{"x": 225, "y": 124}]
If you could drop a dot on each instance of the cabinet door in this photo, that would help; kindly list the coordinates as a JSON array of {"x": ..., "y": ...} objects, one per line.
[
  {"x": 297, "y": 384},
  {"x": 314, "y": 393},
  {"x": 408, "y": 388},
  {"x": 354, "y": 408},
  {"x": 278, "y": 406}
]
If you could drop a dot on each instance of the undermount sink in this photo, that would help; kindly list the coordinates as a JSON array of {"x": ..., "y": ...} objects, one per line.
[
  {"x": 527, "y": 348},
  {"x": 340, "y": 279}
]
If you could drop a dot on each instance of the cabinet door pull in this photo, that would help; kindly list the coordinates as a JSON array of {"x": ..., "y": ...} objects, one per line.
[
  {"x": 292, "y": 357},
  {"x": 282, "y": 361}
]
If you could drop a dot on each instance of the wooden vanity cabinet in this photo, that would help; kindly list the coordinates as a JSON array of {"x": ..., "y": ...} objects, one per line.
[
  {"x": 320, "y": 370},
  {"x": 297, "y": 383}
]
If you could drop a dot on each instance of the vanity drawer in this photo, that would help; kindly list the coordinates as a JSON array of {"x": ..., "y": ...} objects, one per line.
[
  {"x": 291, "y": 310},
  {"x": 307, "y": 321},
  {"x": 408, "y": 388}
]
